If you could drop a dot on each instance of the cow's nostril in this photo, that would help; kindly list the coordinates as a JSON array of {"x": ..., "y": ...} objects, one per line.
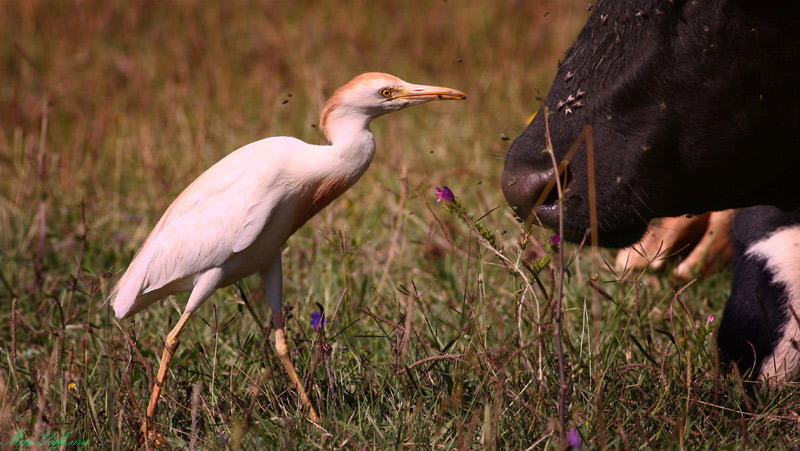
[{"x": 527, "y": 189}]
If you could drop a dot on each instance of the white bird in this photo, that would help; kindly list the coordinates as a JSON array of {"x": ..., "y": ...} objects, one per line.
[{"x": 232, "y": 220}]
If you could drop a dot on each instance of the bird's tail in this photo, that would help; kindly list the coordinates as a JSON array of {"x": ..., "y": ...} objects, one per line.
[{"x": 126, "y": 295}]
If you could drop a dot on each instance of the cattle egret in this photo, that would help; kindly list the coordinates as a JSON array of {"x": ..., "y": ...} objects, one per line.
[{"x": 232, "y": 220}]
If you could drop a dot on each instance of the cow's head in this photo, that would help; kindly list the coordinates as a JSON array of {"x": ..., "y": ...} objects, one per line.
[{"x": 693, "y": 105}]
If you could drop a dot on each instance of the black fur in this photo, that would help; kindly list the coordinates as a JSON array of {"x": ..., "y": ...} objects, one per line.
[
  {"x": 756, "y": 312},
  {"x": 694, "y": 106}
]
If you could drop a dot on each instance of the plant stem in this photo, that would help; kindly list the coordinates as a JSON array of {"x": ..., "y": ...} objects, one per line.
[{"x": 562, "y": 378}]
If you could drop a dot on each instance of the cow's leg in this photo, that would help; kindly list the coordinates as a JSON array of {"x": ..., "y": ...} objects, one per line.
[
  {"x": 759, "y": 330},
  {"x": 662, "y": 241},
  {"x": 715, "y": 247},
  {"x": 706, "y": 236}
]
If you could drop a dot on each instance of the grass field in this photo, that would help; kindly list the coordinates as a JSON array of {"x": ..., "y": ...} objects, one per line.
[{"x": 108, "y": 109}]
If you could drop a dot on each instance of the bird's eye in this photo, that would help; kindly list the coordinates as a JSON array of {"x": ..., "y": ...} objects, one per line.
[{"x": 386, "y": 92}]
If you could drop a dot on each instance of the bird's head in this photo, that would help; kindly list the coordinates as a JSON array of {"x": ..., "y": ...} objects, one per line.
[{"x": 374, "y": 94}]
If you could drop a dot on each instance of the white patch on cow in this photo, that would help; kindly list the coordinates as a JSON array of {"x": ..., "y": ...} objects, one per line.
[{"x": 780, "y": 252}]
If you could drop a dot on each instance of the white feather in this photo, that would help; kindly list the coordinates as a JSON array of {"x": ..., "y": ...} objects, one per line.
[
  {"x": 232, "y": 220},
  {"x": 220, "y": 214}
]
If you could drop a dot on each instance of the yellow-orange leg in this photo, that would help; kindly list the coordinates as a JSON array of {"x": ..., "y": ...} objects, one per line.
[
  {"x": 283, "y": 353},
  {"x": 170, "y": 346}
]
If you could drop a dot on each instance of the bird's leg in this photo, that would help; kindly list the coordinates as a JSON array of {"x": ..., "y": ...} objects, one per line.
[
  {"x": 272, "y": 279},
  {"x": 170, "y": 346},
  {"x": 283, "y": 353}
]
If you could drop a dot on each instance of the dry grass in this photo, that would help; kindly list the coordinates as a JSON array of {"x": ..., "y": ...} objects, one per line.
[{"x": 109, "y": 109}]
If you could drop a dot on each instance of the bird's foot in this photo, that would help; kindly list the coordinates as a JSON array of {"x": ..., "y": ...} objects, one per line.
[{"x": 150, "y": 437}]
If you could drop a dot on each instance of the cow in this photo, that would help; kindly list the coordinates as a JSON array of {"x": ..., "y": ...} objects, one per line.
[{"x": 693, "y": 106}]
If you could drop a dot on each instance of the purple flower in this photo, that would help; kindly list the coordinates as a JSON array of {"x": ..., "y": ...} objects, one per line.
[
  {"x": 555, "y": 240},
  {"x": 444, "y": 194},
  {"x": 317, "y": 321},
  {"x": 710, "y": 318},
  {"x": 573, "y": 436}
]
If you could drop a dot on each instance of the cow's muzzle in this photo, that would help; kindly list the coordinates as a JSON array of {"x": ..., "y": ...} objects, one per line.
[{"x": 532, "y": 195}]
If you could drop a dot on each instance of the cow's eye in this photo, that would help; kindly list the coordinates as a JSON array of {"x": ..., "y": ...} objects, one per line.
[{"x": 386, "y": 92}]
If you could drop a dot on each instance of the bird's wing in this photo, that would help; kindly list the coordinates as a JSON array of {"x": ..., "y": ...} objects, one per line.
[
  {"x": 222, "y": 212},
  {"x": 204, "y": 227}
]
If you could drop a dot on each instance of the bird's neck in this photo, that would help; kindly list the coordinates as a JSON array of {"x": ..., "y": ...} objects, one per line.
[{"x": 352, "y": 141}]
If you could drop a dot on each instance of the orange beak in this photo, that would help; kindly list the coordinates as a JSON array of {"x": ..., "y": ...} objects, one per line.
[{"x": 428, "y": 93}]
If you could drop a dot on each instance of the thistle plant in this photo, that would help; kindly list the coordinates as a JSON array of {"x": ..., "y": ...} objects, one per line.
[{"x": 456, "y": 207}]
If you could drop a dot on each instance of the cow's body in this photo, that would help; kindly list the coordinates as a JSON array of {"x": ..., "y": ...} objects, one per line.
[
  {"x": 694, "y": 106},
  {"x": 759, "y": 330}
]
